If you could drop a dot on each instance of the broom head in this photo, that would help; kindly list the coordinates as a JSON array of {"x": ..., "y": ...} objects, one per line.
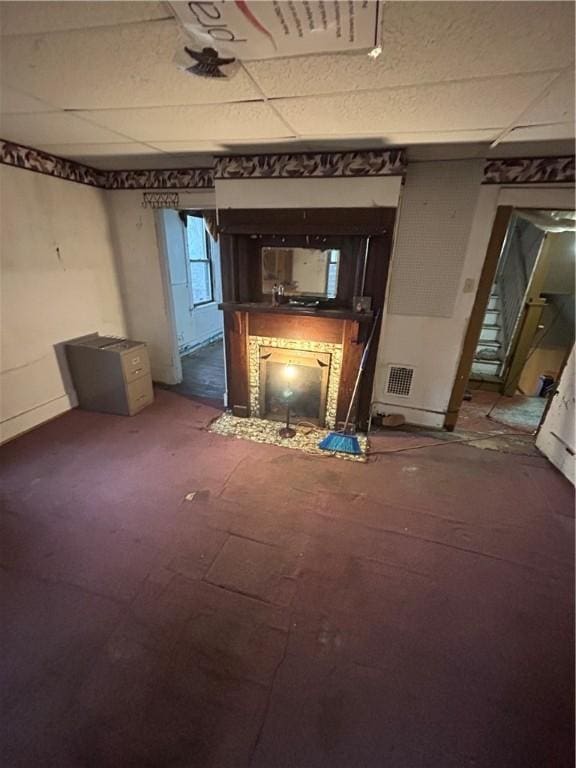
[{"x": 339, "y": 442}]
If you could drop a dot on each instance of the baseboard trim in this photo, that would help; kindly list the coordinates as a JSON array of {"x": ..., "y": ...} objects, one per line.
[{"x": 14, "y": 426}]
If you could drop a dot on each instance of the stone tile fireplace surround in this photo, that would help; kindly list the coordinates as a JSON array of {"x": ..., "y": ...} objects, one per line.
[{"x": 332, "y": 359}]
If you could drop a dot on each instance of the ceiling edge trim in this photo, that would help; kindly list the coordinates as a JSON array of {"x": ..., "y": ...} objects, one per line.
[
  {"x": 312, "y": 165},
  {"x": 529, "y": 170},
  {"x": 35, "y": 160},
  {"x": 390, "y": 162}
]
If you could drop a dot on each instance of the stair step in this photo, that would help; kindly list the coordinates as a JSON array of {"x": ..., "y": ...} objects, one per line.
[
  {"x": 486, "y": 367},
  {"x": 489, "y": 344},
  {"x": 491, "y": 317},
  {"x": 489, "y": 333},
  {"x": 486, "y": 378}
]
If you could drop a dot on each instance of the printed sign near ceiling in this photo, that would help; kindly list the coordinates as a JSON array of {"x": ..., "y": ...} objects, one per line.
[{"x": 224, "y": 30}]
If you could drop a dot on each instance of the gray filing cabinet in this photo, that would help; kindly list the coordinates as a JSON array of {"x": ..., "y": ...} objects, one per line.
[{"x": 110, "y": 374}]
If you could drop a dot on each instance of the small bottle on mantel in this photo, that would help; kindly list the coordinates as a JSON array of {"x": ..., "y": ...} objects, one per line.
[{"x": 275, "y": 295}]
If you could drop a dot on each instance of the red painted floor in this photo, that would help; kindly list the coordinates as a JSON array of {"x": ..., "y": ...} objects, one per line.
[{"x": 413, "y": 612}]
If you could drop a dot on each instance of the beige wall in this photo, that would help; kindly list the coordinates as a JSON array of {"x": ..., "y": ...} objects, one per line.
[
  {"x": 144, "y": 277},
  {"x": 143, "y": 280},
  {"x": 58, "y": 281},
  {"x": 541, "y": 361},
  {"x": 561, "y": 267},
  {"x": 432, "y": 285},
  {"x": 444, "y": 225}
]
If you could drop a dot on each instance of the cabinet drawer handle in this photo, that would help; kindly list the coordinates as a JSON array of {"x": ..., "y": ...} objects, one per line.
[{"x": 137, "y": 370}]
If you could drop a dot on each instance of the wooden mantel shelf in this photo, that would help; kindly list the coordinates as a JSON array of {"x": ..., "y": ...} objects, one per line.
[{"x": 286, "y": 309}]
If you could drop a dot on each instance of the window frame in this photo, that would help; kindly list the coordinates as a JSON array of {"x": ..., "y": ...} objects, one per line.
[{"x": 207, "y": 259}]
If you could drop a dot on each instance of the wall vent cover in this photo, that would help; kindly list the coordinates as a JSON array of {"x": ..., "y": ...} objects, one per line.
[{"x": 399, "y": 380}]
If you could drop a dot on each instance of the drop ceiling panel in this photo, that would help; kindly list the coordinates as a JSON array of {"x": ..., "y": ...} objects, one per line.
[
  {"x": 98, "y": 150},
  {"x": 13, "y": 102},
  {"x": 541, "y": 133},
  {"x": 213, "y": 146},
  {"x": 436, "y": 41},
  {"x": 25, "y": 18},
  {"x": 212, "y": 122},
  {"x": 556, "y": 106},
  {"x": 443, "y": 107},
  {"x": 124, "y": 66},
  {"x": 53, "y": 128},
  {"x": 135, "y": 162}
]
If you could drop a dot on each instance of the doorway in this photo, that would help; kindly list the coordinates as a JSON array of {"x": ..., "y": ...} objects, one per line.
[
  {"x": 527, "y": 325},
  {"x": 193, "y": 259}
]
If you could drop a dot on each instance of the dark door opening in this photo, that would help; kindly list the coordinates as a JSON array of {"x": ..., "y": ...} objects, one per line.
[
  {"x": 196, "y": 290},
  {"x": 527, "y": 328}
]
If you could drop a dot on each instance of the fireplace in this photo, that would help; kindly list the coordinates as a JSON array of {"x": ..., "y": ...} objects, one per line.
[
  {"x": 296, "y": 379},
  {"x": 298, "y": 373},
  {"x": 313, "y": 332}
]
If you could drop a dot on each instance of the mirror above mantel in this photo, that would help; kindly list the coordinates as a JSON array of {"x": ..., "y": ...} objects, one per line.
[{"x": 308, "y": 273}]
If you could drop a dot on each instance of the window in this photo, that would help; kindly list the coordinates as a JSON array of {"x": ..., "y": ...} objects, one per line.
[
  {"x": 199, "y": 257},
  {"x": 332, "y": 276}
]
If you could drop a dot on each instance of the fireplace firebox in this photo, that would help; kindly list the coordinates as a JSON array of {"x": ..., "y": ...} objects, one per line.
[{"x": 295, "y": 379}]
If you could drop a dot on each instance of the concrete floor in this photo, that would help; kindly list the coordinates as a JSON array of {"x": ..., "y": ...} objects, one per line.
[{"x": 299, "y": 612}]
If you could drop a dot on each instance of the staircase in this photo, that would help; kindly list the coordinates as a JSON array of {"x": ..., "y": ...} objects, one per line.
[{"x": 487, "y": 364}]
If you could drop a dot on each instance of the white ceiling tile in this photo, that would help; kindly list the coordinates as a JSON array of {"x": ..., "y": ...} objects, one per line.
[
  {"x": 124, "y": 66},
  {"x": 183, "y": 147},
  {"x": 52, "y": 128},
  {"x": 213, "y": 146},
  {"x": 14, "y": 102},
  {"x": 75, "y": 151},
  {"x": 25, "y": 18},
  {"x": 556, "y": 106},
  {"x": 135, "y": 162},
  {"x": 547, "y": 132},
  {"x": 442, "y": 107},
  {"x": 426, "y": 42},
  {"x": 212, "y": 122}
]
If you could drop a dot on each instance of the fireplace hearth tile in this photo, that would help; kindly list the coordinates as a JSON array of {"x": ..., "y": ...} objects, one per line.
[{"x": 265, "y": 431}]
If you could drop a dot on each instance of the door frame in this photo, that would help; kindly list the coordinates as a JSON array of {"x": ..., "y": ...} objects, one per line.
[
  {"x": 500, "y": 226},
  {"x": 162, "y": 243},
  {"x": 496, "y": 243}
]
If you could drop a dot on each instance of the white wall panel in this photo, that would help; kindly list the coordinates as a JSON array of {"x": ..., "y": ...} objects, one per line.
[
  {"x": 58, "y": 282},
  {"x": 309, "y": 193},
  {"x": 556, "y": 438},
  {"x": 433, "y": 229}
]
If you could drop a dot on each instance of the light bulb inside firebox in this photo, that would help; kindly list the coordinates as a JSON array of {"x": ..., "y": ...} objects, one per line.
[{"x": 289, "y": 371}]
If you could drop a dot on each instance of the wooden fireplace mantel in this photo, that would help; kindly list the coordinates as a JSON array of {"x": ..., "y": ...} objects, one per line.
[
  {"x": 240, "y": 325},
  {"x": 286, "y": 309},
  {"x": 364, "y": 238}
]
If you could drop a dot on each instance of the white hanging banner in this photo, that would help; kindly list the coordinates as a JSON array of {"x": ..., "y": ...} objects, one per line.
[{"x": 267, "y": 29}]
